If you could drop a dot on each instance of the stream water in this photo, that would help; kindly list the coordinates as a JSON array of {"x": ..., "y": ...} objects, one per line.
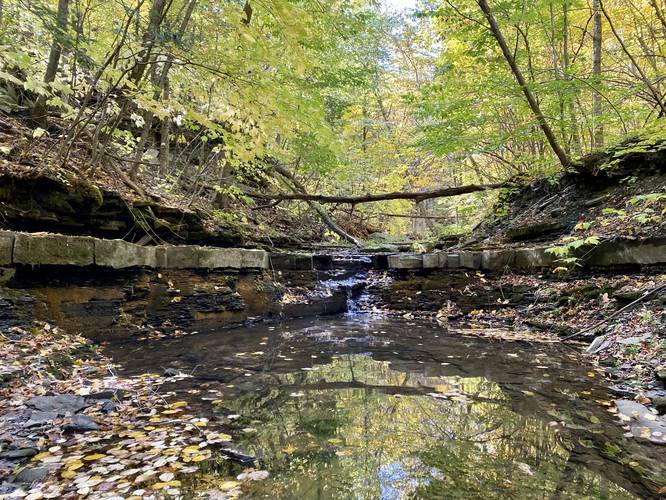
[{"x": 371, "y": 407}]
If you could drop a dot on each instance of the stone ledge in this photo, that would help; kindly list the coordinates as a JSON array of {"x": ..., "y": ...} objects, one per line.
[
  {"x": 618, "y": 253},
  {"x": 232, "y": 258},
  {"x": 405, "y": 261},
  {"x": 295, "y": 261},
  {"x": 53, "y": 249},
  {"x": 63, "y": 250},
  {"x": 119, "y": 254},
  {"x": 634, "y": 252},
  {"x": 6, "y": 247}
]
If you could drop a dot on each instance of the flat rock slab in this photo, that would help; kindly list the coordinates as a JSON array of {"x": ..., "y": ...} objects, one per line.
[
  {"x": 119, "y": 254},
  {"x": 53, "y": 249},
  {"x": 33, "y": 474},
  {"x": 471, "y": 260},
  {"x": 405, "y": 261},
  {"x": 253, "y": 258},
  {"x": 80, "y": 423},
  {"x": 531, "y": 258},
  {"x": 61, "y": 404},
  {"x": 637, "y": 252},
  {"x": 188, "y": 256},
  {"x": 643, "y": 423},
  {"x": 59, "y": 249},
  {"x": 19, "y": 454},
  {"x": 636, "y": 340},
  {"x": 296, "y": 261},
  {"x": 38, "y": 418},
  {"x": 453, "y": 260},
  {"x": 183, "y": 257},
  {"x": 430, "y": 260},
  {"x": 6, "y": 247},
  {"x": 497, "y": 260}
]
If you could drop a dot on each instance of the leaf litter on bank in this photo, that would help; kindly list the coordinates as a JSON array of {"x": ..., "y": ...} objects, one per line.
[{"x": 144, "y": 447}]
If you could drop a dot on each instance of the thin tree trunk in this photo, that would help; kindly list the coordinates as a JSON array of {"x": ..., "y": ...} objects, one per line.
[
  {"x": 39, "y": 111},
  {"x": 316, "y": 206},
  {"x": 597, "y": 107},
  {"x": 80, "y": 123},
  {"x": 155, "y": 18},
  {"x": 158, "y": 12},
  {"x": 653, "y": 90},
  {"x": 575, "y": 132},
  {"x": 558, "y": 74},
  {"x": 416, "y": 196},
  {"x": 534, "y": 105},
  {"x": 655, "y": 6},
  {"x": 162, "y": 83},
  {"x": 165, "y": 132}
]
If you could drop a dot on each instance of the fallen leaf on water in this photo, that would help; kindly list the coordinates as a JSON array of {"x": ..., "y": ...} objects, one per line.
[{"x": 228, "y": 485}]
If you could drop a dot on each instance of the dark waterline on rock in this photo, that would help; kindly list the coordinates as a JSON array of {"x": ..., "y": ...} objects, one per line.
[{"x": 371, "y": 407}]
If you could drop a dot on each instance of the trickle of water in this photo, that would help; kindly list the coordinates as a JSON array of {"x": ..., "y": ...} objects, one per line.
[{"x": 349, "y": 273}]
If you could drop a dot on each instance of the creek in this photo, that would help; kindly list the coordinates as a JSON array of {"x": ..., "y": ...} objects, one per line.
[{"x": 366, "y": 406}]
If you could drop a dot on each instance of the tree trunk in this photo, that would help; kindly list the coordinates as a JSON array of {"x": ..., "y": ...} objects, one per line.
[
  {"x": 659, "y": 99},
  {"x": 165, "y": 132},
  {"x": 660, "y": 14},
  {"x": 575, "y": 132},
  {"x": 534, "y": 105},
  {"x": 597, "y": 108},
  {"x": 417, "y": 196},
  {"x": 316, "y": 206},
  {"x": 162, "y": 84},
  {"x": 558, "y": 76},
  {"x": 39, "y": 111},
  {"x": 155, "y": 18}
]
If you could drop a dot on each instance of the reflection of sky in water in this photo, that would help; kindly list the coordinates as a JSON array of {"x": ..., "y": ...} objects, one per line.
[
  {"x": 399, "y": 479},
  {"x": 384, "y": 408},
  {"x": 405, "y": 434}
]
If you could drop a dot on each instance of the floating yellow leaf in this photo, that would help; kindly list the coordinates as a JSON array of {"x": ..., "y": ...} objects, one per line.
[
  {"x": 94, "y": 456},
  {"x": 228, "y": 485},
  {"x": 75, "y": 465},
  {"x": 41, "y": 456}
]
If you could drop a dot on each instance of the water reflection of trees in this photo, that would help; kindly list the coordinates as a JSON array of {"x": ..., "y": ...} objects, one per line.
[{"x": 356, "y": 428}]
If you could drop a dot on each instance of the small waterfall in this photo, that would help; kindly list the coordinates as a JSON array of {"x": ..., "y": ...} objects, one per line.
[
  {"x": 352, "y": 302},
  {"x": 347, "y": 275}
]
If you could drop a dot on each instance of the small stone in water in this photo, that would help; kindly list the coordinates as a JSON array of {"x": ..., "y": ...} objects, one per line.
[{"x": 257, "y": 475}]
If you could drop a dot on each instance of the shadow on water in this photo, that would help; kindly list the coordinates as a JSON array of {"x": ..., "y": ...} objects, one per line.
[{"x": 363, "y": 407}]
